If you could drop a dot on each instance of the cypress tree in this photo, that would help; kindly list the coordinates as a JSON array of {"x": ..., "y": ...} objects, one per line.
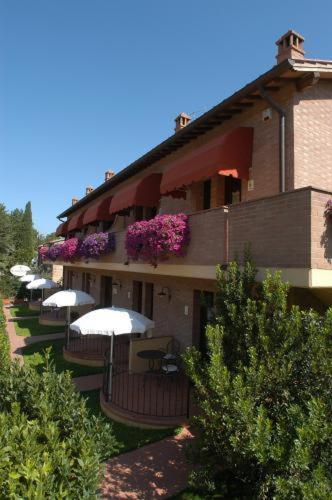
[{"x": 27, "y": 235}]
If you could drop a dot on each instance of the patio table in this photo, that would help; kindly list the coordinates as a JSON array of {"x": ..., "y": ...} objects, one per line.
[{"x": 152, "y": 355}]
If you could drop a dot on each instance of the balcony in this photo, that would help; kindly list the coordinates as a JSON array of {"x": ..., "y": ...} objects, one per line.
[{"x": 286, "y": 231}]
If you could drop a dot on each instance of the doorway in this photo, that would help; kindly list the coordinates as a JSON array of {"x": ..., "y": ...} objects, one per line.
[
  {"x": 202, "y": 314},
  {"x": 106, "y": 291}
]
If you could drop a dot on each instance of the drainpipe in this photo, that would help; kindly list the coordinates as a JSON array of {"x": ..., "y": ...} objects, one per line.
[{"x": 282, "y": 137}]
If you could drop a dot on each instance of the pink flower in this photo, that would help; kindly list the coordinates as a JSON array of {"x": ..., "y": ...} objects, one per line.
[{"x": 159, "y": 238}]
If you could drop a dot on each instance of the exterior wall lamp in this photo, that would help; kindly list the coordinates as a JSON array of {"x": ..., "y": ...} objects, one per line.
[
  {"x": 165, "y": 292},
  {"x": 116, "y": 285}
]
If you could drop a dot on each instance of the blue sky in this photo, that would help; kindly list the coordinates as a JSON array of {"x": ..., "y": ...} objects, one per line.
[{"x": 90, "y": 85}]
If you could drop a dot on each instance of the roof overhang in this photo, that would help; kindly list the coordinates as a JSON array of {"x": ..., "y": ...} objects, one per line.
[{"x": 240, "y": 101}]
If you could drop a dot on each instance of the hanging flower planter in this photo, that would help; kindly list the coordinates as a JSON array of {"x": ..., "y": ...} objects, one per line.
[
  {"x": 158, "y": 239},
  {"x": 92, "y": 247},
  {"x": 97, "y": 244}
]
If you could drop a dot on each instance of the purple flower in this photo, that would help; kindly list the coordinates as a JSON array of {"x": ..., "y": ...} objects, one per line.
[
  {"x": 54, "y": 252},
  {"x": 97, "y": 244},
  {"x": 43, "y": 252},
  {"x": 70, "y": 249},
  {"x": 157, "y": 239}
]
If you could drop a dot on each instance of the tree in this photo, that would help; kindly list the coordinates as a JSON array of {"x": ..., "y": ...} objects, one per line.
[
  {"x": 5, "y": 238},
  {"x": 263, "y": 393},
  {"x": 27, "y": 236}
]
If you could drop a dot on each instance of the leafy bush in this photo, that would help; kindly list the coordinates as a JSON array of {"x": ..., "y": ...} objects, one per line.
[
  {"x": 50, "y": 445},
  {"x": 157, "y": 239},
  {"x": 263, "y": 394},
  {"x": 4, "y": 343}
]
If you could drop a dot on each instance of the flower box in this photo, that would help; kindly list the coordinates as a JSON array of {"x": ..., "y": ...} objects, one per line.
[{"x": 157, "y": 239}]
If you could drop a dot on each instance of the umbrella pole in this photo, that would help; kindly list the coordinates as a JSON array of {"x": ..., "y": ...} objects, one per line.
[
  {"x": 68, "y": 323},
  {"x": 110, "y": 374}
]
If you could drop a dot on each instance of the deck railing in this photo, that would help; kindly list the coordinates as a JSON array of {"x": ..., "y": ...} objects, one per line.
[{"x": 152, "y": 394}]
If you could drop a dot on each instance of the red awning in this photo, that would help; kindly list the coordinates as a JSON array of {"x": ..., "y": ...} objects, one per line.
[
  {"x": 230, "y": 154},
  {"x": 76, "y": 222},
  {"x": 62, "y": 229},
  {"x": 145, "y": 193},
  {"x": 98, "y": 211}
]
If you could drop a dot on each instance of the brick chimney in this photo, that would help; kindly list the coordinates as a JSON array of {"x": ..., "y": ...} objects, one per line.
[
  {"x": 88, "y": 190},
  {"x": 74, "y": 200},
  {"x": 108, "y": 175},
  {"x": 290, "y": 46},
  {"x": 181, "y": 121}
]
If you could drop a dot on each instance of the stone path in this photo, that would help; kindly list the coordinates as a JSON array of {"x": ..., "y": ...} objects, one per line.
[{"x": 156, "y": 471}]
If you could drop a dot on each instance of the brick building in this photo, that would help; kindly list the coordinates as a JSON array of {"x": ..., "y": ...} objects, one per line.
[{"x": 256, "y": 169}]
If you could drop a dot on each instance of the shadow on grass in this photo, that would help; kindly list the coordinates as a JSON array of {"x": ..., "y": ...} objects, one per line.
[
  {"x": 22, "y": 311},
  {"x": 33, "y": 356},
  {"x": 29, "y": 327},
  {"x": 129, "y": 438}
]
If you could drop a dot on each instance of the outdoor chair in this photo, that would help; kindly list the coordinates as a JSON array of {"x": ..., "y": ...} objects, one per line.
[{"x": 172, "y": 351}]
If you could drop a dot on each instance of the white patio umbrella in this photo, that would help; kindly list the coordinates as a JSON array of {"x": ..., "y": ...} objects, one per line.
[
  {"x": 68, "y": 298},
  {"x": 42, "y": 284},
  {"x": 19, "y": 270},
  {"x": 27, "y": 278},
  {"x": 112, "y": 321}
]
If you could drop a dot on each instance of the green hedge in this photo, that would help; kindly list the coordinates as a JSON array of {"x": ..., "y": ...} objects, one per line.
[
  {"x": 4, "y": 343},
  {"x": 50, "y": 445}
]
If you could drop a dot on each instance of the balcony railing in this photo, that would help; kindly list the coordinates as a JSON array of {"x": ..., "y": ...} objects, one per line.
[
  {"x": 148, "y": 394},
  {"x": 285, "y": 230}
]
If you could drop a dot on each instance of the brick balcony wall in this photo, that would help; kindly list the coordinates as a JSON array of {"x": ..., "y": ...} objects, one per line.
[
  {"x": 288, "y": 230},
  {"x": 277, "y": 229},
  {"x": 313, "y": 137}
]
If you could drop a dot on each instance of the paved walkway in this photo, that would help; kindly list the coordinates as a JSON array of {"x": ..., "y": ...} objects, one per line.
[{"x": 156, "y": 471}]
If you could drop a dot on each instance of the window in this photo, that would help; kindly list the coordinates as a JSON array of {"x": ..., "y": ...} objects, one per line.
[
  {"x": 107, "y": 224},
  {"x": 150, "y": 212},
  {"x": 207, "y": 194},
  {"x": 138, "y": 213}
]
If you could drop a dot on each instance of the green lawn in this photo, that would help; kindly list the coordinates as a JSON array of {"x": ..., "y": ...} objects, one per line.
[
  {"x": 29, "y": 327},
  {"x": 129, "y": 438},
  {"x": 33, "y": 356},
  {"x": 22, "y": 311}
]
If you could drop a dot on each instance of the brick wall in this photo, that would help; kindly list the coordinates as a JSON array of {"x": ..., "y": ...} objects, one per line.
[
  {"x": 313, "y": 137},
  {"x": 168, "y": 313},
  {"x": 277, "y": 229}
]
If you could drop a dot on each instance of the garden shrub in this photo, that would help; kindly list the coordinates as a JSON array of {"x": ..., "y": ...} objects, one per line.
[
  {"x": 263, "y": 393},
  {"x": 50, "y": 445}
]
